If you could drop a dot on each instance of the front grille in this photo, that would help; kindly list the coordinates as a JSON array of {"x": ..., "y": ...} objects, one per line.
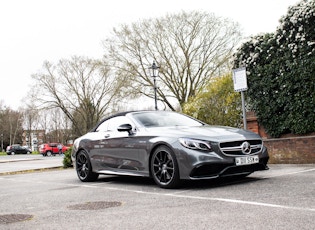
[
  {"x": 243, "y": 169},
  {"x": 234, "y": 148},
  {"x": 223, "y": 170},
  {"x": 208, "y": 170}
]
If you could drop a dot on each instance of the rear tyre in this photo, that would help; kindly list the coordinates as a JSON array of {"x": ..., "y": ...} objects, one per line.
[
  {"x": 49, "y": 153},
  {"x": 84, "y": 168},
  {"x": 164, "y": 168}
]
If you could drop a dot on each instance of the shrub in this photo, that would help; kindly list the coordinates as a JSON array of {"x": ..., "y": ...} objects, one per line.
[
  {"x": 67, "y": 162},
  {"x": 281, "y": 73},
  {"x": 217, "y": 104}
]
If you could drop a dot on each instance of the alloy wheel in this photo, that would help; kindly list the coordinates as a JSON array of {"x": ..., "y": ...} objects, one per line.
[
  {"x": 84, "y": 168},
  {"x": 164, "y": 168}
]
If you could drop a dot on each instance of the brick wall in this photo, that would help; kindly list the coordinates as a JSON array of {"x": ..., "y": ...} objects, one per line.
[
  {"x": 288, "y": 150},
  {"x": 291, "y": 150},
  {"x": 252, "y": 125}
]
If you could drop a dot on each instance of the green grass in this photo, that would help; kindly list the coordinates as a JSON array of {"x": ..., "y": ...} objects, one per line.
[{"x": 4, "y": 153}]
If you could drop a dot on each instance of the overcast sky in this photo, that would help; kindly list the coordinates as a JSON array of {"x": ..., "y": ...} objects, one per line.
[{"x": 33, "y": 31}]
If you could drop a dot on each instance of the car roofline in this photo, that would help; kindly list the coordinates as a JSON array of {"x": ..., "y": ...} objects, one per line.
[
  {"x": 133, "y": 111},
  {"x": 123, "y": 114}
]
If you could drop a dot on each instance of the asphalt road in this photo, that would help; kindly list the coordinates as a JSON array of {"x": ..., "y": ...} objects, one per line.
[
  {"x": 281, "y": 198},
  {"x": 26, "y": 163}
]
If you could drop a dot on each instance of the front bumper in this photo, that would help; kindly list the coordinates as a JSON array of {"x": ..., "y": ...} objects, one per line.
[
  {"x": 223, "y": 170},
  {"x": 212, "y": 165}
]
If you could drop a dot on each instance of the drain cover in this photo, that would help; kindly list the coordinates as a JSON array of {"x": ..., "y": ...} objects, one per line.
[
  {"x": 95, "y": 205},
  {"x": 11, "y": 218}
]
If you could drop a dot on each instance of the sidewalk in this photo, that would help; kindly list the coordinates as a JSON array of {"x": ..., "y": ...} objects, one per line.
[{"x": 27, "y": 163}]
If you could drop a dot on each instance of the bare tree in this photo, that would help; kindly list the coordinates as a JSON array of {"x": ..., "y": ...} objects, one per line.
[
  {"x": 30, "y": 123},
  {"x": 190, "y": 48},
  {"x": 44, "y": 124},
  {"x": 80, "y": 85},
  {"x": 11, "y": 126},
  {"x": 56, "y": 126}
]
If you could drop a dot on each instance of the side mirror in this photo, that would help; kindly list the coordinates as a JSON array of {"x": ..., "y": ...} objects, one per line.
[{"x": 125, "y": 128}]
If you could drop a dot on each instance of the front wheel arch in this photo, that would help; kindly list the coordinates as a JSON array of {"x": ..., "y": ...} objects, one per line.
[{"x": 164, "y": 167}]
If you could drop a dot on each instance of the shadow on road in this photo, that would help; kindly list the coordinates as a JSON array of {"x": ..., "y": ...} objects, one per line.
[{"x": 205, "y": 184}]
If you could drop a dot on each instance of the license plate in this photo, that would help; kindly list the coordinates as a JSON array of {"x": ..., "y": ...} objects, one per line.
[{"x": 246, "y": 160}]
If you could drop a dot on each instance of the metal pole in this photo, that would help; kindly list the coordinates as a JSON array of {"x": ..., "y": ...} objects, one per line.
[
  {"x": 154, "y": 73},
  {"x": 244, "y": 110},
  {"x": 155, "y": 96}
]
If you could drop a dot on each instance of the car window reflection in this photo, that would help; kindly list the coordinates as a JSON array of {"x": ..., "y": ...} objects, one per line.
[
  {"x": 112, "y": 124},
  {"x": 164, "y": 119}
]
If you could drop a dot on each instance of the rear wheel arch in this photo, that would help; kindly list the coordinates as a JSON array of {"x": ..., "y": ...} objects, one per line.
[{"x": 83, "y": 167}]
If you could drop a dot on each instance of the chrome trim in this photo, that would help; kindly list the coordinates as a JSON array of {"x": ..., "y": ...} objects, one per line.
[{"x": 239, "y": 149}]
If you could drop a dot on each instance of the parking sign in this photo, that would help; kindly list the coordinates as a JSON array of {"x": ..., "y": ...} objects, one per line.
[{"x": 240, "y": 79}]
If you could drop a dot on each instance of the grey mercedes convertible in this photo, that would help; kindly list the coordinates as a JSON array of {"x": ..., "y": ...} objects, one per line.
[{"x": 167, "y": 146}]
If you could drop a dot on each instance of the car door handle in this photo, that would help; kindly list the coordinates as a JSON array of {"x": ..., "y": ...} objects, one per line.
[{"x": 107, "y": 136}]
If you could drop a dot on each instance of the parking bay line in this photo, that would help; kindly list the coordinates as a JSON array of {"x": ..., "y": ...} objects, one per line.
[
  {"x": 290, "y": 173},
  {"x": 230, "y": 201},
  {"x": 246, "y": 202},
  {"x": 176, "y": 195},
  {"x": 94, "y": 185},
  {"x": 251, "y": 202}
]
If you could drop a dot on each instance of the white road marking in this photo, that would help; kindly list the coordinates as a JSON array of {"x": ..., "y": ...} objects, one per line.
[
  {"x": 247, "y": 202},
  {"x": 290, "y": 173},
  {"x": 177, "y": 193},
  {"x": 213, "y": 199}
]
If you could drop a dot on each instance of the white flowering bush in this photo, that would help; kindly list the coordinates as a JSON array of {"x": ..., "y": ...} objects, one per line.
[{"x": 281, "y": 72}]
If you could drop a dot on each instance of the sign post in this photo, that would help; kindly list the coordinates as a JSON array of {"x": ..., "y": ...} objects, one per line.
[{"x": 240, "y": 85}]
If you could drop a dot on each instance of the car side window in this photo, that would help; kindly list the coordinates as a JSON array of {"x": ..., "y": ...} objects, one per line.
[
  {"x": 103, "y": 127},
  {"x": 112, "y": 124}
]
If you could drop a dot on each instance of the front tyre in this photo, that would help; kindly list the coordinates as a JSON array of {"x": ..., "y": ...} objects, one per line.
[
  {"x": 164, "y": 168},
  {"x": 84, "y": 168}
]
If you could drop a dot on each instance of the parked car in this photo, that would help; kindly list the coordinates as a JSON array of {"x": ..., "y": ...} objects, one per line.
[
  {"x": 27, "y": 147},
  {"x": 51, "y": 149},
  {"x": 17, "y": 149},
  {"x": 167, "y": 146}
]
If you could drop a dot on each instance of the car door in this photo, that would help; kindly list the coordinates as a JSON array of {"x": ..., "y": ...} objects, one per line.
[
  {"x": 19, "y": 150},
  {"x": 54, "y": 148},
  {"x": 117, "y": 151}
]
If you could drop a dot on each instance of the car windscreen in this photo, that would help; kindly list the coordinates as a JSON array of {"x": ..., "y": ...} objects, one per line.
[{"x": 164, "y": 119}]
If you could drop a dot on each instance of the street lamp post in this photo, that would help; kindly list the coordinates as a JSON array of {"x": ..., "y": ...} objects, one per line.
[{"x": 154, "y": 70}]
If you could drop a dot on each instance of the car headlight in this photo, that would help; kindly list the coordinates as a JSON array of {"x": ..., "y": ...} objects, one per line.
[{"x": 195, "y": 144}]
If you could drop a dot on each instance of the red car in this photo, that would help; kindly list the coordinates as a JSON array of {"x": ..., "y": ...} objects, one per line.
[{"x": 52, "y": 149}]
